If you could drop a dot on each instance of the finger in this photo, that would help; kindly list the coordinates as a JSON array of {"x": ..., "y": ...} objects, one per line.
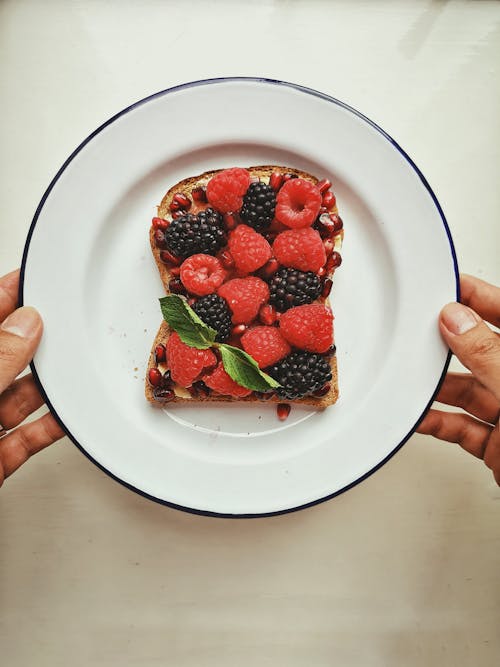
[
  {"x": 18, "y": 401},
  {"x": 464, "y": 391},
  {"x": 474, "y": 343},
  {"x": 481, "y": 297},
  {"x": 20, "y": 334},
  {"x": 492, "y": 453},
  {"x": 19, "y": 445},
  {"x": 471, "y": 434},
  {"x": 9, "y": 286}
]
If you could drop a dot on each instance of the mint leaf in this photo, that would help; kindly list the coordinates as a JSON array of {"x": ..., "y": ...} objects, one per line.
[
  {"x": 244, "y": 370},
  {"x": 182, "y": 318}
]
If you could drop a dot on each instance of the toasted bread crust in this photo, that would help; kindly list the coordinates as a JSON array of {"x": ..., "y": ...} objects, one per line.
[{"x": 263, "y": 172}]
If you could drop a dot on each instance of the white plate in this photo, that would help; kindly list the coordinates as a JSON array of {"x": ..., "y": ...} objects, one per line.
[{"x": 88, "y": 268}]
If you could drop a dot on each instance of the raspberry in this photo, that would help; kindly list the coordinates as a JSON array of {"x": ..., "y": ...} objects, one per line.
[
  {"x": 298, "y": 203},
  {"x": 186, "y": 363},
  {"x": 265, "y": 344},
  {"x": 220, "y": 382},
  {"x": 225, "y": 190},
  {"x": 202, "y": 274},
  {"x": 301, "y": 249},
  {"x": 244, "y": 296},
  {"x": 308, "y": 327},
  {"x": 249, "y": 249}
]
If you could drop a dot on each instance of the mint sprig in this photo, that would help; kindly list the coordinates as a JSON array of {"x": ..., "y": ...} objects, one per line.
[
  {"x": 239, "y": 365},
  {"x": 182, "y": 318}
]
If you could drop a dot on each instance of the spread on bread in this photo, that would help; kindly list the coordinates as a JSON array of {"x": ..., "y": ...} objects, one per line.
[{"x": 246, "y": 257}]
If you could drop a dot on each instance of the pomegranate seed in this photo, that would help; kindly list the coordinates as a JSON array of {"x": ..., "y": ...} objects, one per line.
[
  {"x": 288, "y": 177},
  {"x": 329, "y": 245},
  {"x": 326, "y": 226},
  {"x": 160, "y": 353},
  {"x": 159, "y": 236},
  {"x": 322, "y": 272},
  {"x": 178, "y": 214},
  {"x": 191, "y": 301},
  {"x": 267, "y": 314},
  {"x": 163, "y": 394},
  {"x": 283, "y": 410},
  {"x": 323, "y": 391},
  {"x": 176, "y": 286},
  {"x": 329, "y": 200},
  {"x": 271, "y": 235},
  {"x": 154, "y": 377},
  {"x": 175, "y": 270},
  {"x": 336, "y": 259},
  {"x": 167, "y": 258},
  {"x": 199, "y": 195},
  {"x": 166, "y": 380},
  {"x": 323, "y": 209},
  {"x": 174, "y": 207},
  {"x": 323, "y": 185},
  {"x": 331, "y": 351},
  {"x": 239, "y": 329},
  {"x": 160, "y": 223},
  {"x": 270, "y": 267},
  {"x": 230, "y": 220},
  {"x": 263, "y": 396},
  {"x": 276, "y": 180},
  {"x": 327, "y": 288},
  {"x": 226, "y": 259},
  {"x": 338, "y": 223},
  {"x": 182, "y": 201},
  {"x": 199, "y": 389}
]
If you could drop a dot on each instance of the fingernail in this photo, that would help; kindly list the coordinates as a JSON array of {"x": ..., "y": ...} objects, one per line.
[
  {"x": 24, "y": 322},
  {"x": 458, "y": 318}
]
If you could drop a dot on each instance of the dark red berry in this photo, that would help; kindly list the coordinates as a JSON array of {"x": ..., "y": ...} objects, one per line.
[
  {"x": 323, "y": 391},
  {"x": 288, "y": 177},
  {"x": 323, "y": 185},
  {"x": 160, "y": 223},
  {"x": 199, "y": 195},
  {"x": 226, "y": 259},
  {"x": 329, "y": 245},
  {"x": 283, "y": 410},
  {"x": 181, "y": 201},
  {"x": 336, "y": 259},
  {"x": 230, "y": 220},
  {"x": 168, "y": 258},
  {"x": 239, "y": 329},
  {"x": 163, "y": 394},
  {"x": 276, "y": 180},
  {"x": 154, "y": 377},
  {"x": 325, "y": 225},
  {"x": 176, "y": 286},
  {"x": 175, "y": 270},
  {"x": 338, "y": 223},
  {"x": 178, "y": 214},
  {"x": 160, "y": 353},
  {"x": 331, "y": 351},
  {"x": 270, "y": 267},
  {"x": 166, "y": 380},
  {"x": 267, "y": 314},
  {"x": 327, "y": 288},
  {"x": 159, "y": 236},
  {"x": 199, "y": 389}
]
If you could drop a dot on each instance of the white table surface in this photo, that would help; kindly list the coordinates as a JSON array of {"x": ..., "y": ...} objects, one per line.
[{"x": 404, "y": 569}]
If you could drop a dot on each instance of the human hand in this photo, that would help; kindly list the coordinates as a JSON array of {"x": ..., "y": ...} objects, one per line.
[
  {"x": 20, "y": 333},
  {"x": 478, "y": 392}
]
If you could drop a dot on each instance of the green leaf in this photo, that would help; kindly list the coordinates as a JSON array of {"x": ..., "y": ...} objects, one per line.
[
  {"x": 244, "y": 370},
  {"x": 182, "y": 318}
]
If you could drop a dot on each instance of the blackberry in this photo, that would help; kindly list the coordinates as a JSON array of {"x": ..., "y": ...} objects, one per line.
[
  {"x": 258, "y": 207},
  {"x": 214, "y": 311},
  {"x": 190, "y": 234},
  {"x": 300, "y": 373},
  {"x": 291, "y": 287}
]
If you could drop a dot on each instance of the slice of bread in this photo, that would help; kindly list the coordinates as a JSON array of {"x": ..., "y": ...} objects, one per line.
[{"x": 182, "y": 395}]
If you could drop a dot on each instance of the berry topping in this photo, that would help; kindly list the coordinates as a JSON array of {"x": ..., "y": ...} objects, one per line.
[
  {"x": 308, "y": 327},
  {"x": 300, "y": 373},
  {"x": 213, "y": 310},
  {"x": 301, "y": 249},
  {"x": 276, "y": 180},
  {"x": 220, "y": 382},
  {"x": 265, "y": 344},
  {"x": 191, "y": 234},
  {"x": 225, "y": 190},
  {"x": 244, "y": 296},
  {"x": 258, "y": 206},
  {"x": 290, "y": 287},
  {"x": 186, "y": 363},
  {"x": 202, "y": 274},
  {"x": 298, "y": 203},
  {"x": 283, "y": 410},
  {"x": 248, "y": 249}
]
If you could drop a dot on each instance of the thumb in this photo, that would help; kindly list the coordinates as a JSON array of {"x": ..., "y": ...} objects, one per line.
[
  {"x": 20, "y": 334},
  {"x": 474, "y": 343}
]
